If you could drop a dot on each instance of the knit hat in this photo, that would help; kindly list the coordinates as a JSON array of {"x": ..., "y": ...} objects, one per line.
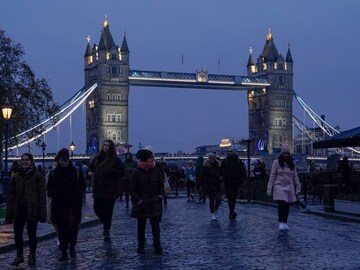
[
  {"x": 285, "y": 148},
  {"x": 30, "y": 156},
  {"x": 64, "y": 153},
  {"x": 143, "y": 154}
]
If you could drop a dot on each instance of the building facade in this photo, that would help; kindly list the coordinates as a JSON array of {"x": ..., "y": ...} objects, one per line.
[
  {"x": 107, "y": 107},
  {"x": 270, "y": 109}
]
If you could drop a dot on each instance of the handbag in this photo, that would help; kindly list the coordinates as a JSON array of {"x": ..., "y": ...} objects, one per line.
[{"x": 301, "y": 204}]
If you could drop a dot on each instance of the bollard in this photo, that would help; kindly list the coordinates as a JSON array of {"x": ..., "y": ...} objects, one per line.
[{"x": 330, "y": 193}]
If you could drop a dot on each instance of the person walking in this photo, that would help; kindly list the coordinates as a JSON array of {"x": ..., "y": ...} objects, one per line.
[
  {"x": 65, "y": 187},
  {"x": 107, "y": 169},
  {"x": 147, "y": 191},
  {"x": 213, "y": 184},
  {"x": 189, "y": 172},
  {"x": 233, "y": 172},
  {"x": 199, "y": 181},
  {"x": 26, "y": 203},
  {"x": 129, "y": 167},
  {"x": 283, "y": 184}
]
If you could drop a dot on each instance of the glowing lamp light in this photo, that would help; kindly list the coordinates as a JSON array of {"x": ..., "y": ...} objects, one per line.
[{"x": 225, "y": 142}]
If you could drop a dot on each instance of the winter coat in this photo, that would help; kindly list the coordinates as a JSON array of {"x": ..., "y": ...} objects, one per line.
[
  {"x": 27, "y": 190},
  {"x": 233, "y": 172},
  {"x": 284, "y": 182},
  {"x": 65, "y": 187},
  {"x": 146, "y": 190},
  {"x": 107, "y": 181},
  {"x": 211, "y": 176},
  {"x": 189, "y": 172}
]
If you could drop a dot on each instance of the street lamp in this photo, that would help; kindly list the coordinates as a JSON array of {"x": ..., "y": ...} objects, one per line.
[
  {"x": 72, "y": 149},
  {"x": 6, "y": 112},
  {"x": 43, "y": 147}
]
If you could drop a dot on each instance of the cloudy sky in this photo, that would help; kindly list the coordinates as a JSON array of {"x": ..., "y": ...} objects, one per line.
[{"x": 323, "y": 34}]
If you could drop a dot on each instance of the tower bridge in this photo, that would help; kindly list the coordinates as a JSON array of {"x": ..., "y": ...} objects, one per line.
[{"x": 108, "y": 77}]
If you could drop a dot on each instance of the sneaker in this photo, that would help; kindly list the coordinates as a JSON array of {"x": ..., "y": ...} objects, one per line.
[
  {"x": 213, "y": 216},
  {"x": 281, "y": 226},
  {"x": 31, "y": 260},
  {"x": 17, "y": 261},
  {"x": 286, "y": 227}
]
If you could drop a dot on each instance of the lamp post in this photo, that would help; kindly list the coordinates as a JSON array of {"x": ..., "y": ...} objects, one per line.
[
  {"x": 6, "y": 112},
  {"x": 43, "y": 147},
  {"x": 72, "y": 149},
  {"x": 248, "y": 169}
]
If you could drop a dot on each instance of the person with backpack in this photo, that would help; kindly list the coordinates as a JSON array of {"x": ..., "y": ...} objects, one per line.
[
  {"x": 213, "y": 184},
  {"x": 233, "y": 172}
]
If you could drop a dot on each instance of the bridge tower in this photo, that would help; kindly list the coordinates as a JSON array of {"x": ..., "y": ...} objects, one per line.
[
  {"x": 107, "y": 107},
  {"x": 270, "y": 109}
]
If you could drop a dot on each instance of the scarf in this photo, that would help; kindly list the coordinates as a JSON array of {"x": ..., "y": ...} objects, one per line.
[
  {"x": 26, "y": 172},
  {"x": 146, "y": 165}
]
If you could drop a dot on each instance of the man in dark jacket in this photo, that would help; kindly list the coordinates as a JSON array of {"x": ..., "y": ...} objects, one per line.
[
  {"x": 147, "y": 191},
  {"x": 66, "y": 186},
  {"x": 233, "y": 172}
]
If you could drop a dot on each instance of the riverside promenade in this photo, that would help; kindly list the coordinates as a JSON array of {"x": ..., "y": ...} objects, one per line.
[{"x": 191, "y": 240}]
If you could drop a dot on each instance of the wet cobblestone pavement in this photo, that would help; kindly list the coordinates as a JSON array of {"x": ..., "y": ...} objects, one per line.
[{"x": 191, "y": 240}]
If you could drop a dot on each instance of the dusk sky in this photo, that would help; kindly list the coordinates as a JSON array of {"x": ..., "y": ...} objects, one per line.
[{"x": 324, "y": 36}]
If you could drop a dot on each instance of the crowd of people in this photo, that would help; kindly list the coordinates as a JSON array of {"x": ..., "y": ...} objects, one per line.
[{"x": 144, "y": 182}]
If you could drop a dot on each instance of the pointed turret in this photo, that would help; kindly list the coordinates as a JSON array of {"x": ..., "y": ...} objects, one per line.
[
  {"x": 251, "y": 60},
  {"x": 106, "y": 41},
  {"x": 124, "y": 45},
  {"x": 288, "y": 58},
  {"x": 88, "y": 47},
  {"x": 269, "y": 53}
]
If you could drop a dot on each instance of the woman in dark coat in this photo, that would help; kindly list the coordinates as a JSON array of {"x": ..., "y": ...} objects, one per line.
[
  {"x": 26, "y": 203},
  {"x": 233, "y": 172},
  {"x": 147, "y": 191},
  {"x": 65, "y": 187},
  {"x": 213, "y": 184},
  {"x": 108, "y": 170}
]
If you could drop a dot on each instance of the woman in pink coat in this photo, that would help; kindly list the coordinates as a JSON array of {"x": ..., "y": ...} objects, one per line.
[{"x": 283, "y": 184}]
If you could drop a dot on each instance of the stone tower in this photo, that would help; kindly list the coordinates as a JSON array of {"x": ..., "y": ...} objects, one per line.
[
  {"x": 107, "y": 106},
  {"x": 270, "y": 109}
]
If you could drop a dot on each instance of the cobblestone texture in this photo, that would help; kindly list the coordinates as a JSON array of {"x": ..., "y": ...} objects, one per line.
[{"x": 192, "y": 241}]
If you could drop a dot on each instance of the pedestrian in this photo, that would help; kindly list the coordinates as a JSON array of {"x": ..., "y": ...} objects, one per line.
[
  {"x": 162, "y": 166},
  {"x": 129, "y": 167},
  {"x": 189, "y": 172},
  {"x": 199, "y": 181},
  {"x": 147, "y": 191},
  {"x": 26, "y": 203},
  {"x": 66, "y": 186},
  {"x": 213, "y": 184},
  {"x": 345, "y": 169},
  {"x": 107, "y": 169},
  {"x": 233, "y": 172},
  {"x": 49, "y": 199},
  {"x": 284, "y": 184}
]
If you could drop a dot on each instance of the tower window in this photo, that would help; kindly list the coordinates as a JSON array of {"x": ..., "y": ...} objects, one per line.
[
  {"x": 108, "y": 97},
  {"x": 118, "y": 97}
]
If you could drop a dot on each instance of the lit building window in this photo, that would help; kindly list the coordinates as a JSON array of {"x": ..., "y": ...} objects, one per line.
[
  {"x": 285, "y": 66},
  {"x": 264, "y": 66},
  {"x": 89, "y": 59},
  {"x": 91, "y": 104},
  {"x": 275, "y": 65},
  {"x": 107, "y": 55}
]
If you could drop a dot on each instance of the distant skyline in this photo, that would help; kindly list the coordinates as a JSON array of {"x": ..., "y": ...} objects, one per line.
[{"x": 185, "y": 36}]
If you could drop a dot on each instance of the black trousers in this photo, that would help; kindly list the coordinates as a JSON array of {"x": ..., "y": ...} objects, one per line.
[
  {"x": 155, "y": 228},
  {"x": 190, "y": 187},
  {"x": 214, "y": 201},
  {"x": 104, "y": 208},
  {"x": 68, "y": 231},
  {"x": 283, "y": 211},
  {"x": 231, "y": 194},
  {"x": 19, "y": 225}
]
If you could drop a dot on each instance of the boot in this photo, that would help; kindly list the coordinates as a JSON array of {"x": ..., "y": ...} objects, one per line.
[
  {"x": 31, "y": 260},
  {"x": 17, "y": 260},
  {"x": 158, "y": 249},
  {"x": 141, "y": 248},
  {"x": 64, "y": 256},
  {"x": 72, "y": 251},
  {"x": 107, "y": 236}
]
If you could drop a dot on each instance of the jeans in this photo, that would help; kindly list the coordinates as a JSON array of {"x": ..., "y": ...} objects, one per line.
[{"x": 214, "y": 201}]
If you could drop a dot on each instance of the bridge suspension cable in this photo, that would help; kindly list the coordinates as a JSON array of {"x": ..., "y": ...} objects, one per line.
[
  {"x": 326, "y": 127},
  {"x": 47, "y": 124}
]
